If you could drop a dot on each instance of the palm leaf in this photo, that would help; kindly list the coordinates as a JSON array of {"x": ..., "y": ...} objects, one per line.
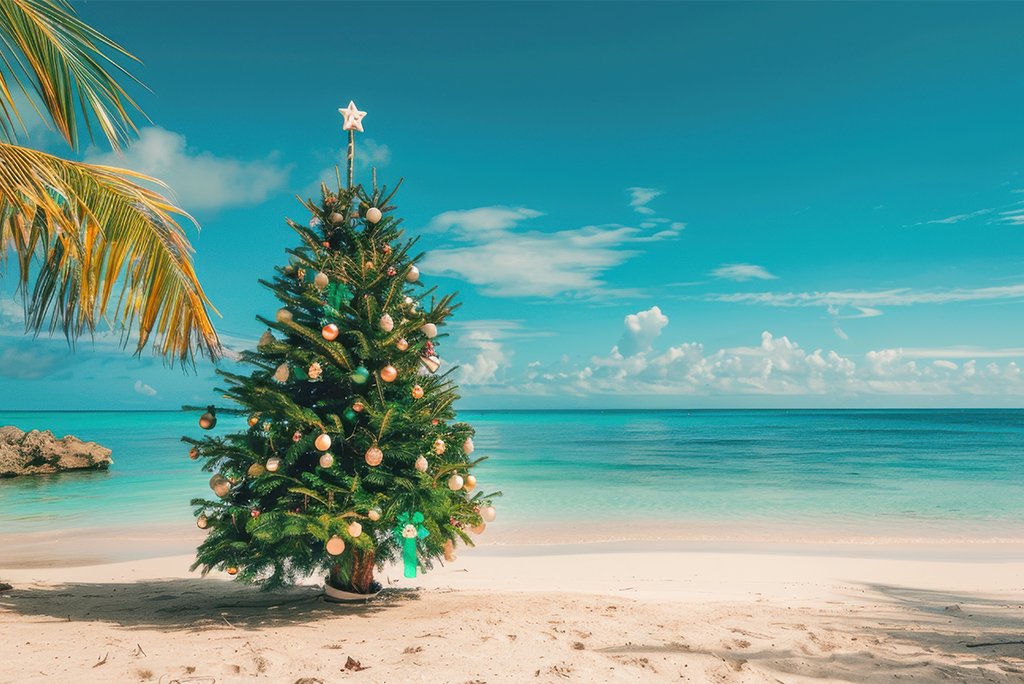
[
  {"x": 94, "y": 231},
  {"x": 60, "y": 58}
]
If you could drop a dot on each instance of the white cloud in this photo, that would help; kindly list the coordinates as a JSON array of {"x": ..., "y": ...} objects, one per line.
[
  {"x": 742, "y": 272},
  {"x": 508, "y": 262},
  {"x": 144, "y": 389},
  {"x": 198, "y": 180},
  {"x": 777, "y": 366},
  {"x": 863, "y": 298},
  {"x": 641, "y": 331},
  {"x": 641, "y": 198},
  {"x": 961, "y": 352},
  {"x": 840, "y": 333}
]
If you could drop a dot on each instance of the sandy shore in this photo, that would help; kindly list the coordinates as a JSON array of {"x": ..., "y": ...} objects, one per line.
[{"x": 644, "y": 612}]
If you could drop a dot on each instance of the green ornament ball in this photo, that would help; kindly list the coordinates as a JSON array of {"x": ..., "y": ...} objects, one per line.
[
  {"x": 350, "y": 415},
  {"x": 360, "y": 375}
]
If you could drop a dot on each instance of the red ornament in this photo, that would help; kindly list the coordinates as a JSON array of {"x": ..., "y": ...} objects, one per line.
[
  {"x": 193, "y": 453},
  {"x": 435, "y": 421},
  {"x": 326, "y": 244},
  {"x": 386, "y": 248},
  {"x": 391, "y": 271},
  {"x": 255, "y": 513},
  {"x": 330, "y": 200},
  {"x": 330, "y": 332},
  {"x": 428, "y": 347},
  {"x": 297, "y": 436}
]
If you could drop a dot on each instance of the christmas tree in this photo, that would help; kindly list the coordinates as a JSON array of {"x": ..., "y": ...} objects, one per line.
[{"x": 352, "y": 458}]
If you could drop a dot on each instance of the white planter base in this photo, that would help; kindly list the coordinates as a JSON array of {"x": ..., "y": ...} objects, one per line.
[{"x": 338, "y": 596}]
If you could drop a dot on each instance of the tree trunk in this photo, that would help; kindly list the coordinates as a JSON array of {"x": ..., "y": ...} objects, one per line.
[{"x": 362, "y": 571}]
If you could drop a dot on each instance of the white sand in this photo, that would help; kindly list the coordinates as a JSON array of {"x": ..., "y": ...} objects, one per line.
[{"x": 697, "y": 612}]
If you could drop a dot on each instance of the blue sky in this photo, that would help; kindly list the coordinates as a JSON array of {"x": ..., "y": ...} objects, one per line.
[{"x": 641, "y": 204}]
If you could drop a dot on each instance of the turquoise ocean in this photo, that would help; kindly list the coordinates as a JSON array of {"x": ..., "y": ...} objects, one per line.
[{"x": 772, "y": 475}]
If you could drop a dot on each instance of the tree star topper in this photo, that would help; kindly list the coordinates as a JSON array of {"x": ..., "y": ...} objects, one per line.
[{"x": 353, "y": 117}]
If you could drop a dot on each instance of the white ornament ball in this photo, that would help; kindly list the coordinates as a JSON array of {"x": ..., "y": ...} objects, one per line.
[
  {"x": 374, "y": 515},
  {"x": 413, "y": 275},
  {"x": 321, "y": 280},
  {"x": 429, "y": 329},
  {"x": 326, "y": 461},
  {"x": 488, "y": 514},
  {"x": 323, "y": 442},
  {"x": 284, "y": 316},
  {"x": 421, "y": 464},
  {"x": 373, "y": 214},
  {"x": 431, "y": 363},
  {"x": 467, "y": 446},
  {"x": 455, "y": 483},
  {"x": 335, "y": 546},
  {"x": 387, "y": 324},
  {"x": 355, "y": 529},
  {"x": 273, "y": 464}
]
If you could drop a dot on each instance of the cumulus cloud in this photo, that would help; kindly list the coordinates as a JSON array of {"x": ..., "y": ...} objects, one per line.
[
  {"x": 641, "y": 331},
  {"x": 742, "y": 272},
  {"x": 775, "y": 366},
  {"x": 641, "y": 198},
  {"x": 506, "y": 261},
  {"x": 144, "y": 389},
  {"x": 481, "y": 349},
  {"x": 198, "y": 179}
]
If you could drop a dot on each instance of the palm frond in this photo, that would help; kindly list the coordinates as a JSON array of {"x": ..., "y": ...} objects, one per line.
[
  {"x": 92, "y": 231},
  {"x": 62, "y": 60}
]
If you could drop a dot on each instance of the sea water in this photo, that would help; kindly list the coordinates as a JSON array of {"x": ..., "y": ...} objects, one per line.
[{"x": 714, "y": 474}]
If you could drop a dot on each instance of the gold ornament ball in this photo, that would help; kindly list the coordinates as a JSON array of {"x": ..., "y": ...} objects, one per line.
[
  {"x": 321, "y": 280},
  {"x": 479, "y": 529},
  {"x": 358, "y": 407},
  {"x": 438, "y": 446},
  {"x": 421, "y": 464},
  {"x": 253, "y": 419},
  {"x": 467, "y": 446},
  {"x": 330, "y": 332},
  {"x": 455, "y": 483},
  {"x": 232, "y": 571},
  {"x": 470, "y": 482},
  {"x": 208, "y": 421},
  {"x": 373, "y": 214},
  {"x": 429, "y": 329},
  {"x": 489, "y": 514},
  {"x": 355, "y": 529},
  {"x": 402, "y": 345},
  {"x": 220, "y": 485},
  {"x": 282, "y": 372},
  {"x": 368, "y": 266},
  {"x": 388, "y": 373},
  {"x": 374, "y": 515},
  {"x": 284, "y": 316},
  {"x": 323, "y": 442},
  {"x": 326, "y": 461},
  {"x": 335, "y": 546},
  {"x": 255, "y": 470},
  {"x": 413, "y": 275},
  {"x": 387, "y": 324},
  {"x": 417, "y": 392},
  {"x": 335, "y": 217},
  {"x": 374, "y": 456},
  {"x": 273, "y": 464},
  {"x": 202, "y": 522}
]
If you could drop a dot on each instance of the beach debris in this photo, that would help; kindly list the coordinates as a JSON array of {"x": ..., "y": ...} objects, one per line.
[
  {"x": 309, "y": 680},
  {"x": 354, "y": 665},
  {"x": 40, "y": 452},
  {"x": 4, "y": 586},
  {"x": 102, "y": 660}
]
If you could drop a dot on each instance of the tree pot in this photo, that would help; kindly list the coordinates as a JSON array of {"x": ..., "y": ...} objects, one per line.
[{"x": 341, "y": 596}]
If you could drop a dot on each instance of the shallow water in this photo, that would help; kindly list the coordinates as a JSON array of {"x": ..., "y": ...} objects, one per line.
[{"x": 685, "y": 474}]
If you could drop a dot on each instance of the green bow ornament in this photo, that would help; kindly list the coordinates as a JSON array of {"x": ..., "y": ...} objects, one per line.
[{"x": 410, "y": 529}]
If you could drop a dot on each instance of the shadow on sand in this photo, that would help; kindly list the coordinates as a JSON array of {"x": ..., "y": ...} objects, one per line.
[{"x": 184, "y": 604}]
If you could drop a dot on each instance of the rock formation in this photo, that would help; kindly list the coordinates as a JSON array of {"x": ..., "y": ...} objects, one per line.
[{"x": 35, "y": 452}]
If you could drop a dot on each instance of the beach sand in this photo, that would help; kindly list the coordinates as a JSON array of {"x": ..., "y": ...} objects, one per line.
[{"x": 608, "y": 612}]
